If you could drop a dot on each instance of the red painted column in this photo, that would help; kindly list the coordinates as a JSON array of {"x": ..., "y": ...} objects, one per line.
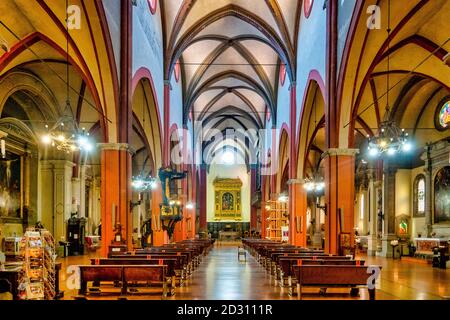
[
  {"x": 263, "y": 208},
  {"x": 292, "y": 163},
  {"x": 166, "y": 125},
  {"x": 299, "y": 226},
  {"x": 274, "y": 165},
  {"x": 192, "y": 212},
  {"x": 253, "y": 209},
  {"x": 116, "y": 157},
  {"x": 159, "y": 235},
  {"x": 202, "y": 204},
  {"x": 115, "y": 193},
  {"x": 339, "y": 196}
]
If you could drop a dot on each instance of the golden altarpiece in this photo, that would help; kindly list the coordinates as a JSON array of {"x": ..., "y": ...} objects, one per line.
[{"x": 227, "y": 199}]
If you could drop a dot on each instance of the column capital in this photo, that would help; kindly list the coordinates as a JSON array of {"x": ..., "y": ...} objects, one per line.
[
  {"x": 333, "y": 152},
  {"x": 117, "y": 147}
]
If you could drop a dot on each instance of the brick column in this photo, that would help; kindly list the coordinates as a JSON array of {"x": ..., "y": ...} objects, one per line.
[
  {"x": 339, "y": 195},
  {"x": 115, "y": 191}
]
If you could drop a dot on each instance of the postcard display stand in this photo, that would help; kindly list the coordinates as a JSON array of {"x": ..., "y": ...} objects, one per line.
[{"x": 37, "y": 281}]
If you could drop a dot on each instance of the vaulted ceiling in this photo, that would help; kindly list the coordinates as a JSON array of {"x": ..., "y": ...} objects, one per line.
[{"x": 230, "y": 53}]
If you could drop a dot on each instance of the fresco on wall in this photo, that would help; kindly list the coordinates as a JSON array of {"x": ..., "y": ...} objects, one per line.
[
  {"x": 10, "y": 193},
  {"x": 442, "y": 195}
]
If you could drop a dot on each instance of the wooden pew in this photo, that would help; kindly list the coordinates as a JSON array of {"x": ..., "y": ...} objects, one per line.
[
  {"x": 169, "y": 262},
  {"x": 123, "y": 274},
  {"x": 180, "y": 266},
  {"x": 286, "y": 266},
  {"x": 325, "y": 276}
]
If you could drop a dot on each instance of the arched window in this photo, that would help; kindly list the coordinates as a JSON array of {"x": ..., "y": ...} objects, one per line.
[
  {"x": 177, "y": 71},
  {"x": 282, "y": 74},
  {"x": 152, "y": 4},
  {"x": 419, "y": 196},
  {"x": 308, "y": 4}
]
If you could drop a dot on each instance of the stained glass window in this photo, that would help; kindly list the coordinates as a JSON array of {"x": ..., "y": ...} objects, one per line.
[
  {"x": 177, "y": 71},
  {"x": 444, "y": 115},
  {"x": 282, "y": 74},
  {"x": 308, "y": 7}
]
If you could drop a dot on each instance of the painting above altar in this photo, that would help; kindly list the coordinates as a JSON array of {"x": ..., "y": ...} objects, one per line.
[
  {"x": 442, "y": 196},
  {"x": 227, "y": 199}
]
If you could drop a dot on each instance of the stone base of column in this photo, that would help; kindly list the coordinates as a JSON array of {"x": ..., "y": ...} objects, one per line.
[
  {"x": 372, "y": 246},
  {"x": 386, "y": 248}
]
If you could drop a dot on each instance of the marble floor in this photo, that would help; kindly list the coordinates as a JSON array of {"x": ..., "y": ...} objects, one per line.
[{"x": 222, "y": 277}]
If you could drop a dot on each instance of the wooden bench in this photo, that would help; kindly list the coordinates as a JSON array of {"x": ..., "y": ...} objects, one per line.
[
  {"x": 325, "y": 276},
  {"x": 182, "y": 269},
  {"x": 286, "y": 265},
  {"x": 169, "y": 262},
  {"x": 123, "y": 274}
]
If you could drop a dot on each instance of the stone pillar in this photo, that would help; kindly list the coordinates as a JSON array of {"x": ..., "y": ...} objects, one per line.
[
  {"x": 388, "y": 222},
  {"x": 76, "y": 195},
  {"x": 428, "y": 190},
  {"x": 56, "y": 201},
  {"x": 136, "y": 217},
  {"x": 316, "y": 239},
  {"x": 374, "y": 187},
  {"x": 115, "y": 191},
  {"x": 339, "y": 196}
]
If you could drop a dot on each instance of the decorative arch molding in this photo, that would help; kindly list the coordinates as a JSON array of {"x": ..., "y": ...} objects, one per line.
[
  {"x": 235, "y": 110},
  {"x": 144, "y": 77},
  {"x": 219, "y": 96},
  {"x": 234, "y": 75},
  {"x": 314, "y": 78},
  {"x": 243, "y": 52},
  {"x": 352, "y": 114},
  {"x": 140, "y": 131},
  {"x": 15, "y": 127},
  {"x": 82, "y": 70},
  {"x": 17, "y": 80},
  {"x": 232, "y": 10}
]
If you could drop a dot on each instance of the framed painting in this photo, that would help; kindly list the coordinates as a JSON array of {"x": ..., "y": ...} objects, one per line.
[
  {"x": 442, "y": 196},
  {"x": 11, "y": 187}
]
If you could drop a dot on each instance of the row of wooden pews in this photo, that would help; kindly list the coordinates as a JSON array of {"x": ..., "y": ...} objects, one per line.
[
  {"x": 297, "y": 267},
  {"x": 166, "y": 267}
]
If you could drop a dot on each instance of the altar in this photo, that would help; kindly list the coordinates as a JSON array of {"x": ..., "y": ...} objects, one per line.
[
  {"x": 425, "y": 245},
  {"x": 228, "y": 235}
]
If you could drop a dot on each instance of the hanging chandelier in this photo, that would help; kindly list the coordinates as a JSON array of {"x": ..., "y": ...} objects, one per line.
[
  {"x": 65, "y": 135},
  {"x": 390, "y": 139},
  {"x": 142, "y": 184},
  {"x": 314, "y": 185}
]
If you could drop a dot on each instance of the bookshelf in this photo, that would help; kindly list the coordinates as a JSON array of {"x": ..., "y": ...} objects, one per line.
[{"x": 277, "y": 217}]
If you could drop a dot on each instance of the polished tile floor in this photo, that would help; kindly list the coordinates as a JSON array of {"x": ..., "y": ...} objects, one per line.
[{"x": 222, "y": 277}]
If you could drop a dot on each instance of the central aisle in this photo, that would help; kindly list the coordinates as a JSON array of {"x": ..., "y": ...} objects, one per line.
[{"x": 222, "y": 277}]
